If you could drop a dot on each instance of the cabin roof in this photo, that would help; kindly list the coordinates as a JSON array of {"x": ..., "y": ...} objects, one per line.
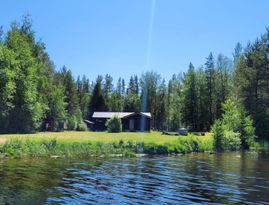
[{"x": 118, "y": 114}]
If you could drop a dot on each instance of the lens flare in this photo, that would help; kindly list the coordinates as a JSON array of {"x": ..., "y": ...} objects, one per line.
[{"x": 147, "y": 67}]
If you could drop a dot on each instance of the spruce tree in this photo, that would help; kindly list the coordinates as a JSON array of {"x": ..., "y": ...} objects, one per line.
[
  {"x": 209, "y": 70},
  {"x": 190, "y": 100},
  {"x": 97, "y": 102}
]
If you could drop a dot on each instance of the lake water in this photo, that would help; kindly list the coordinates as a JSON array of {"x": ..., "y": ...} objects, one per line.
[{"x": 231, "y": 178}]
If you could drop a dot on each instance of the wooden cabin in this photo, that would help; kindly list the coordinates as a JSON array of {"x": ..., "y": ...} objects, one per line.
[{"x": 131, "y": 121}]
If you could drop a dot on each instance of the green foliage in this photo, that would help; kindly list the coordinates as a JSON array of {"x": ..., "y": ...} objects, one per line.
[
  {"x": 131, "y": 103},
  {"x": 49, "y": 144},
  {"x": 248, "y": 133},
  {"x": 190, "y": 100},
  {"x": 29, "y": 92},
  {"x": 231, "y": 118},
  {"x": 72, "y": 123},
  {"x": 57, "y": 106},
  {"x": 231, "y": 141},
  {"x": 203, "y": 117},
  {"x": 27, "y": 104},
  {"x": 84, "y": 149},
  {"x": 108, "y": 88},
  {"x": 97, "y": 102},
  {"x": 115, "y": 102},
  {"x": 149, "y": 83},
  {"x": 236, "y": 120},
  {"x": 81, "y": 126},
  {"x": 114, "y": 124},
  {"x": 32, "y": 93},
  {"x": 218, "y": 134},
  {"x": 236, "y": 130},
  {"x": 84, "y": 96},
  {"x": 174, "y": 103},
  {"x": 75, "y": 122},
  {"x": 8, "y": 67},
  {"x": 161, "y": 106},
  {"x": 251, "y": 82},
  {"x": 70, "y": 92},
  {"x": 203, "y": 92}
]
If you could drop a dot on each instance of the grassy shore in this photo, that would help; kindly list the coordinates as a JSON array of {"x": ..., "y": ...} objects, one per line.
[{"x": 89, "y": 144}]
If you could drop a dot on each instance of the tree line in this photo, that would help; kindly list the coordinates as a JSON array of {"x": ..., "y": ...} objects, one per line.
[{"x": 35, "y": 96}]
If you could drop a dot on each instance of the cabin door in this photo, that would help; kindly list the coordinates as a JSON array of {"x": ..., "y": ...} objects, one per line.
[{"x": 131, "y": 124}]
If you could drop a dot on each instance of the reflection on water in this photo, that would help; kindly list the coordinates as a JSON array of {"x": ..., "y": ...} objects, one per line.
[{"x": 233, "y": 178}]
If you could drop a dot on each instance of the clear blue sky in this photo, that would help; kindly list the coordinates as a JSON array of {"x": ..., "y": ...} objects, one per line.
[{"x": 124, "y": 37}]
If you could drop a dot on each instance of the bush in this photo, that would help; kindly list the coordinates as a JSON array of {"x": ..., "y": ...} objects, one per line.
[
  {"x": 82, "y": 126},
  {"x": 247, "y": 133},
  {"x": 231, "y": 141},
  {"x": 114, "y": 124},
  {"x": 75, "y": 122},
  {"x": 72, "y": 123},
  {"x": 238, "y": 128},
  {"x": 59, "y": 126},
  {"x": 218, "y": 135}
]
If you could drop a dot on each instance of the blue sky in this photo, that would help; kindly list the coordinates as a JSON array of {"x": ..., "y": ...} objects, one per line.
[{"x": 124, "y": 37}]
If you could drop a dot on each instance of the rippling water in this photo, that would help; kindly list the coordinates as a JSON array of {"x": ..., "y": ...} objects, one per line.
[{"x": 232, "y": 178}]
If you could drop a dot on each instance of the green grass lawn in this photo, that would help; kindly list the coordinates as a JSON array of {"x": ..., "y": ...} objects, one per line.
[
  {"x": 86, "y": 144},
  {"x": 74, "y": 136}
]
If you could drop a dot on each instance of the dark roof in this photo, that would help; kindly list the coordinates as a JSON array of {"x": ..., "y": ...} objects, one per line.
[{"x": 118, "y": 114}]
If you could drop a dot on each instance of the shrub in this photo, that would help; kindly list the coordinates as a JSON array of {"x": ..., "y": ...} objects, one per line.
[
  {"x": 75, "y": 122},
  {"x": 114, "y": 124},
  {"x": 218, "y": 135},
  {"x": 72, "y": 123},
  {"x": 231, "y": 141},
  {"x": 247, "y": 133},
  {"x": 82, "y": 126},
  {"x": 59, "y": 126},
  {"x": 237, "y": 125}
]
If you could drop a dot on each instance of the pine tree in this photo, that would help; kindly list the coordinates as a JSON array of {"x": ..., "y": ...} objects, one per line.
[
  {"x": 237, "y": 52},
  {"x": 119, "y": 87},
  {"x": 115, "y": 102},
  {"x": 97, "y": 102},
  {"x": 122, "y": 87},
  {"x": 190, "y": 100},
  {"x": 149, "y": 83},
  {"x": 131, "y": 103},
  {"x": 251, "y": 83},
  {"x": 132, "y": 100},
  {"x": 136, "y": 85},
  {"x": 174, "y": 103},
  {"x": 70, "y": 91},
  {"x": 83, "y": 92},
  {"x": 161, "y": 106},
  {"x": 131, "y": 88},
  {"x": 1, "y": 34},
  {"x": 108, "y": 87},
  {"x": 203, "y": 114},
  {"x": 222, "y": 83},
  {"x": 209, "y": 70}
]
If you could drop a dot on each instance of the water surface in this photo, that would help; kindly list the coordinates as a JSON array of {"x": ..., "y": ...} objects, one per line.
[{"x": 231, "y": 178}]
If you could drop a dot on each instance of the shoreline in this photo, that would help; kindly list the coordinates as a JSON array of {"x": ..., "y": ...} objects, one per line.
[
  {"x": 99, "y": 145},
  {"x": 59, "y": 148}
]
